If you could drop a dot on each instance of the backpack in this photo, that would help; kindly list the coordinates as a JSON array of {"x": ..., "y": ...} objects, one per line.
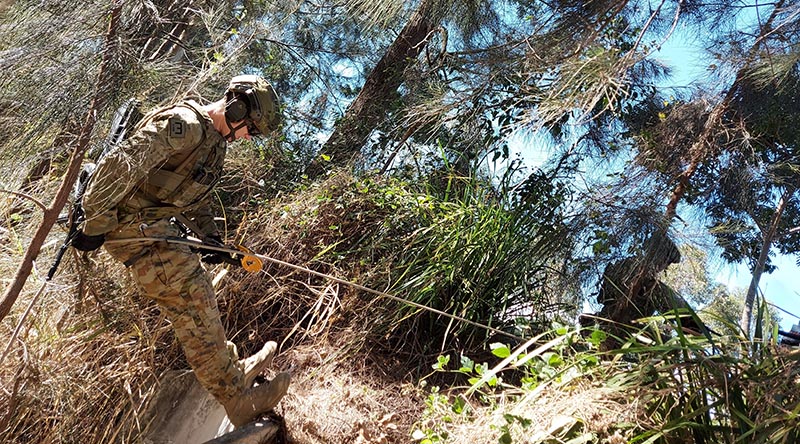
[{"x": 126, "y": 117}]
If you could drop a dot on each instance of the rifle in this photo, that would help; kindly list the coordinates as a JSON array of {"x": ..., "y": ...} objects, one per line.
[
  {"x": 126, "y": 117},
  {"x": 73, "y": 219},
  {"x": 790, "y": 337}
]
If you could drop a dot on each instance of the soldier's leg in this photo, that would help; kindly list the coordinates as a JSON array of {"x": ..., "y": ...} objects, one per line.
[
  {"x": 196, "y": 321},
  {"x": 173, "y": 277},
  {"x": 193, "y": 312}
]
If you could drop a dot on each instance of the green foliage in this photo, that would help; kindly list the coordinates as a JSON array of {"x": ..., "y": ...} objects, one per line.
[
  {"x": 557, "y": 362},
  {"x": 458, "y": 249},
  {"x": 456, "y": 243},
  {"x": 729, "y": 390},
  {"x": 678, "y": 388},
  {"x": 473, "y": 256}
]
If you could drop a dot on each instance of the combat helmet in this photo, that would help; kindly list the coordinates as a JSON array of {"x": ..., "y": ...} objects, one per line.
[{"x": 251, "y": 98}]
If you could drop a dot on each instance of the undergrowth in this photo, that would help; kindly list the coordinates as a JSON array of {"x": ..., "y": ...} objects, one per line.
[
  {"x": 90, "y": 356},
  {"x": 684, "y": 389}
]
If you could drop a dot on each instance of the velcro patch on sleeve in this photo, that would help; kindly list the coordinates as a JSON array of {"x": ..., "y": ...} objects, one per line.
[{"x": 177, "y": 127}]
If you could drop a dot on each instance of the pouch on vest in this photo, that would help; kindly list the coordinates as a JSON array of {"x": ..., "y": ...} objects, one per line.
[{"x": 192, "y": 180}]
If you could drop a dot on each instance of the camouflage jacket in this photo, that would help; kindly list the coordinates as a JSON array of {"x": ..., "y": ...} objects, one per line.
[{"x": 169, "y": 164}]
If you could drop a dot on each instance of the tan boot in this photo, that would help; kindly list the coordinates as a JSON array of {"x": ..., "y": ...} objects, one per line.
[
  {"x": 255, "y": 401},
  {"x": 254, "y": 365}
]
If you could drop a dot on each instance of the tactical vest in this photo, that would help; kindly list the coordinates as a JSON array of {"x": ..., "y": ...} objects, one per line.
[{"x": 178, "y": 188}]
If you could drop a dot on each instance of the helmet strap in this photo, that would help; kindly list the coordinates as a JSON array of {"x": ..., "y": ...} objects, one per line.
[{"x": 232, "y": 134}]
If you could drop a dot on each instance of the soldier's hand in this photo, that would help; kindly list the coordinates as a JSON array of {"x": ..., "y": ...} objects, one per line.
[
  {"x": 217, "y": 257},
  {"x": 84, "y": 242},
  {"x": 212, "y": 257}
]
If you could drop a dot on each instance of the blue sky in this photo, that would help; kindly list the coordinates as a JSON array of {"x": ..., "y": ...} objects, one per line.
[{"x": 779, "y": 287}]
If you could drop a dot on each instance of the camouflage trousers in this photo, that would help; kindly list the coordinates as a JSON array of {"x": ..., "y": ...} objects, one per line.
[{"x": 172, "y": 276}]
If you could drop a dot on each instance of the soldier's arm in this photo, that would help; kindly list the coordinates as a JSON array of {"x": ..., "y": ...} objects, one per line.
[{"x": 128, "y": 164}]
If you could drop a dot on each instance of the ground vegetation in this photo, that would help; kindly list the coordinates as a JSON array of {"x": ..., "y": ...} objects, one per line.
[{"x": 535, "y": 213}]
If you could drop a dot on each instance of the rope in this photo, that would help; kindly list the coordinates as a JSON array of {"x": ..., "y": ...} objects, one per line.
[{"x": 222, "y": 249}]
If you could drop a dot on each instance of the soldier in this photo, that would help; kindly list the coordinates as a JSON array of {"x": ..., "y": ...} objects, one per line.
[{"x": 164, "y": 170}]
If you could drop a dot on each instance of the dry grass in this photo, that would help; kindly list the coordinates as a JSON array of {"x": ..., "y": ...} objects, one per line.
[
  {"x": 346, "y": 399},
  {"x": 90, "y": 356},
  {"x": 82, "y": 368},
  {"x": 91, "y": 353},
  {"x": 346, "y": 387}
]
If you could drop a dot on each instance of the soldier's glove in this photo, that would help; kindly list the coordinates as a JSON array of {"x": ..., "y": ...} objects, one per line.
[
  {"x": 83, "y": 242},
  {"x": 212, "y": 257},
  {"x": 217, "y": 257}
]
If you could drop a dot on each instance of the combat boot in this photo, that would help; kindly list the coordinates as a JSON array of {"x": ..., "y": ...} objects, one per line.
[
  {"x": 254, "y": 365},
  {"x": 255, "y": 401}
]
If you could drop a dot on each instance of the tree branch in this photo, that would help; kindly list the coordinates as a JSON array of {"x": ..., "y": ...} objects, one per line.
[
  {"x": 26, "y": 196},
  {"x": 51, "y": 213}
]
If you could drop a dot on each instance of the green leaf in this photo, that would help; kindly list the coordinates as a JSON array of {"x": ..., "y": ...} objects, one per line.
[
  {"x": 597, "y": 338},
  {"x": 505, "y": 438},
  {"x": 458, "y": 405},
  {"x": 500, "y": 350},
  {"x": 441, "y": 362},
  {"x": 467, "y": 364},
  {"x": 528, "y": 383},
  {"x": 590, "y": 360},
  {"x": 555, "y": 360}
]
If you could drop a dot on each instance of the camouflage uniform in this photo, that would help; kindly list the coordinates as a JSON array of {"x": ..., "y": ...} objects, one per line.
[{"x": 168, "y": 166}]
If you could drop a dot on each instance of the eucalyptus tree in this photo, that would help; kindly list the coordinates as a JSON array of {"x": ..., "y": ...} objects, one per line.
[
  {"x": 734, "y": 154},
  {"x": 568, "y": 67},
  {"x": 523, "y": 62},
  {"x": 753, "y": 206},
  {"x": 686, "y": 142}
]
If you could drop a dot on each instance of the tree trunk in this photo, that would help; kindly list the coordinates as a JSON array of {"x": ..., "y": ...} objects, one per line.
[
  {"x": 700, "y": 153},
  {"x": 699, "y": 150},
  {"x": 380, "y": 88},
  {"x": 51, "y": 213},
  {"x": 758, "y": 269}
]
